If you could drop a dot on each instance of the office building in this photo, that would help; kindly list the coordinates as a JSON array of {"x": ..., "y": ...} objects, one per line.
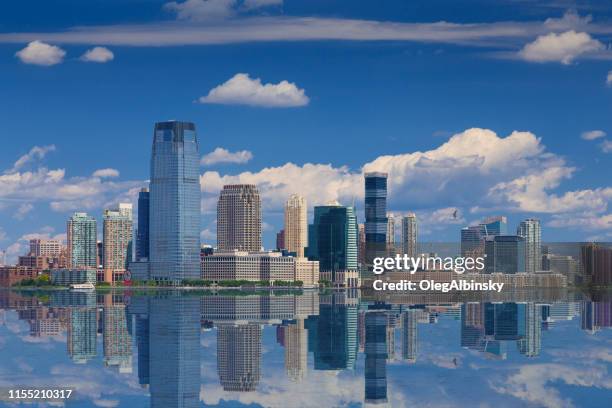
[
  {"x": 375, "y": 215},
  {"x": 280, "y": 240},
  {"x": 296, "y": 350},
  {"x": 296, "y": 225},
  {"x": 493, "y": 226},
  {"x": 409, "y": 234},
  {"x": 174, "y": 206},
  {"x": 142, "y": 236},
  {"x": 67, "y": 277},
  {"x": 597, "y": 264},
  {"x": 45, "y": 247},
  {"x": 239, "y": 356},
  {"x": 505, "y": 254},
  {"x": 117, "y": 239},
  {"x": 333, "y": 242},
  {"x": 239, "y": 218},
  {"x": 82, "y": 239},
  {"x": 390, "y": 230},
  {"x": 530, "y": 230},
  {"x": 409, "y": 335},
  {"x": 375, "y": 357}
]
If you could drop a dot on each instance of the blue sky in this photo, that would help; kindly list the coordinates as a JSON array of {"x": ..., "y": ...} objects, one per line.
[{"x": 429, "y": 91}]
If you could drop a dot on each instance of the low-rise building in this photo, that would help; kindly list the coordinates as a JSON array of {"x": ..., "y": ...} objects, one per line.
[
  {"x": 10, "y": 275},
  {"x": 259, "y": 266},
  {"x": 73, "y": 276}
]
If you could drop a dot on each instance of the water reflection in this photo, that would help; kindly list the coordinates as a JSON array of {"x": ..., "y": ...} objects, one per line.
[{"x": 181, "y": 349}]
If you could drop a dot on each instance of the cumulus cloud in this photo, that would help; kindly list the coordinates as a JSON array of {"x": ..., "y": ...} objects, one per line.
[
  {"x": 243, "y": 90},
  {"x": 221, "y": 155},
  {"x": 98, "y": 54},
  {"x": 563, "y": 48},
  {"x": 606, "y": 146},
  {"x": 40, "y": 53},
  {"x": 35, "y": 153},
  {"x": 106, "y": 173},
  {"x": 23, "y": 210},
  {"x": 593, "y": 134},
  {"x": 201, "y": 10}
]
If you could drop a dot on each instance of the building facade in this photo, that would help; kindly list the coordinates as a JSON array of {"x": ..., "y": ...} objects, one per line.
[
  {"x": 82, "y": 239},
  {"x": 296, "y": 225},
  {"x": 142, "y": 236},
  {"x": 531, "y": 230},
  {"x": 505, "y": 254},
  {"x": 174, "y": 206},
  {"x": 409, "y": 234},
  {"x": 375, "y": 216},
  {"x": 117, "y": 233},
  {"x": 239, "y": 218}
]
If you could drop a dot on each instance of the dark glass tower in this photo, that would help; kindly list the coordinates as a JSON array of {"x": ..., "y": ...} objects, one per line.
[
  {"x": 174, "y": 218},
  {"x": 142, "y": 238},
  {"x": 375, "y": 216},
  {"x": 375, "y": 357}
]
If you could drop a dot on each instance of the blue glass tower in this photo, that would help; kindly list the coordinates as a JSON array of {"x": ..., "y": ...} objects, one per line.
[
  {"x": 375, "y": 357},
  {"x": 505, "y": 254},
  {"x": 375, "y": 215},
  {"x": 142, "y": 237},
  {"x": 174, "y": 212}
]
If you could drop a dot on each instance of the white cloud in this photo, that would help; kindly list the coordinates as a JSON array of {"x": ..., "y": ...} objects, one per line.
[
  {"x": 242, "y": 90},
  {"x": 35, "y": 153},
  {"x": 564, "y": 47},
  {"x": 221, "y": 155},
  {"x": 106, "y": 173},
  {"x": 200, "y": 10},
  {"x": 98, "y": 54},
  {"x": 23, "y": 210},
  {"x": 606, "y": 146},
  {"x": 254, "y": 4},
  {"x": 590, "y": 221},
  {"x": 609, "y": 78},
  {"x": 593, "y": 134},
  {"x": 40, "y": 53}
]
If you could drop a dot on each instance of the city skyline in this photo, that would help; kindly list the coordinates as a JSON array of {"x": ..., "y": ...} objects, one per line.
[{"x": 384, "y": 99}]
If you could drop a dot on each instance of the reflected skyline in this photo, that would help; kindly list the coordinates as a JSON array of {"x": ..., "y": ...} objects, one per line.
[{"x": 176, "y": 346}]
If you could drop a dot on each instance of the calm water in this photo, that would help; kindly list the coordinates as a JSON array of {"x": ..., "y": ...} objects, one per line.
[{"x": 177, "y": 349}]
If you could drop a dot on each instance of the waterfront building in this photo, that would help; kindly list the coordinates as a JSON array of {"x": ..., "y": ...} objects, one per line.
[
  {"x": 82, "y": 240},
  {"x": 296, "y": 225},
  {"x": 505, "y": 254},
  {"x": 409, "y": 234},
  {"x": 117, "y": 239},
  {"x": 531, "y": 230},
  {"x": 174, "y": 206},
  {"x": 239, "y": 218},
  {"x": 375, "y": 216},
  {"x": 142, "y": 236}
]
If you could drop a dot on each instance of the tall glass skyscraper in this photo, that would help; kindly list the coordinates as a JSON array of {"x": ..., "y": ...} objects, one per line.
[
  {"x": 174, "y": 212},
  {"x": 82, "y": 241},
  {"x": 142, "y": 237},
  {"x": 375, "y": 215},
  {"x": 375, "y": 357},
  {"x": 505, "y": 254}
]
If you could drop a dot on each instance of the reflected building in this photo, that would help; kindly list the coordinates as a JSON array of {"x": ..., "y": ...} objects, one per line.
[
  {"x": 117, "y": 341},
  {"x": 296, "y": 350},
  {"x": 239, "y": 356},
  {"x": 376, "y": 358},
  {"x": 531, "y": 344},
  {"x": 174, "y": 350},
  {"x": 332, "y": 335},
  {"x": 409, "y": 335},
  {"x": 82, "y": 334},
  {"x": 595, "y": 315},
  {"x": 143, "y": 344}
]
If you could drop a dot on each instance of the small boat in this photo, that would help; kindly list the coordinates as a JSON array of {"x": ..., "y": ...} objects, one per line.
[{"x": 82, "y": 286}]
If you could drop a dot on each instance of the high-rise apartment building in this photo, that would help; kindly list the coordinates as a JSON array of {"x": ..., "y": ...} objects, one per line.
[
  {"x": 117, "y": 242},
  {"x": 375, "y": 215},
  {"x": 390, "y": 230},
  {"x": 239, "y": 218},
  {"x": 530, "y": 230},
  {"x": 82, "y": 238},
  {"x": 174, "y": 207},
  {"x": 142, "y": 236},
  {"x": 409, "y": 234},
  {"x": 296, "y": 225}
]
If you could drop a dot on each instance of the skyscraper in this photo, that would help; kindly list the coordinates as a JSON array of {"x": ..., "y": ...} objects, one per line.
[
  {"x": 530, "y": 230},
  {"x": 375, "y": 215},
  {"x": 239, "y": 218},
  {"x": 239, "y": 356},
  {"x": 81, "y": 336},
  {"x": 117, "y": 243},
  {"x": 296, "y": 225},
  {"x": 174, "y": 212},
  {"x": 142, "y": 238},
  {"x": 409, "y": 234},
  {"x": 82, "y": 233},
  {"x": 409, "y": 335},
  {"x": 333, "y": 243},
  {"x": 296, "y": 350},
  {"x": 505, "y": 254},
  {"x": 390, "y": 230}
]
